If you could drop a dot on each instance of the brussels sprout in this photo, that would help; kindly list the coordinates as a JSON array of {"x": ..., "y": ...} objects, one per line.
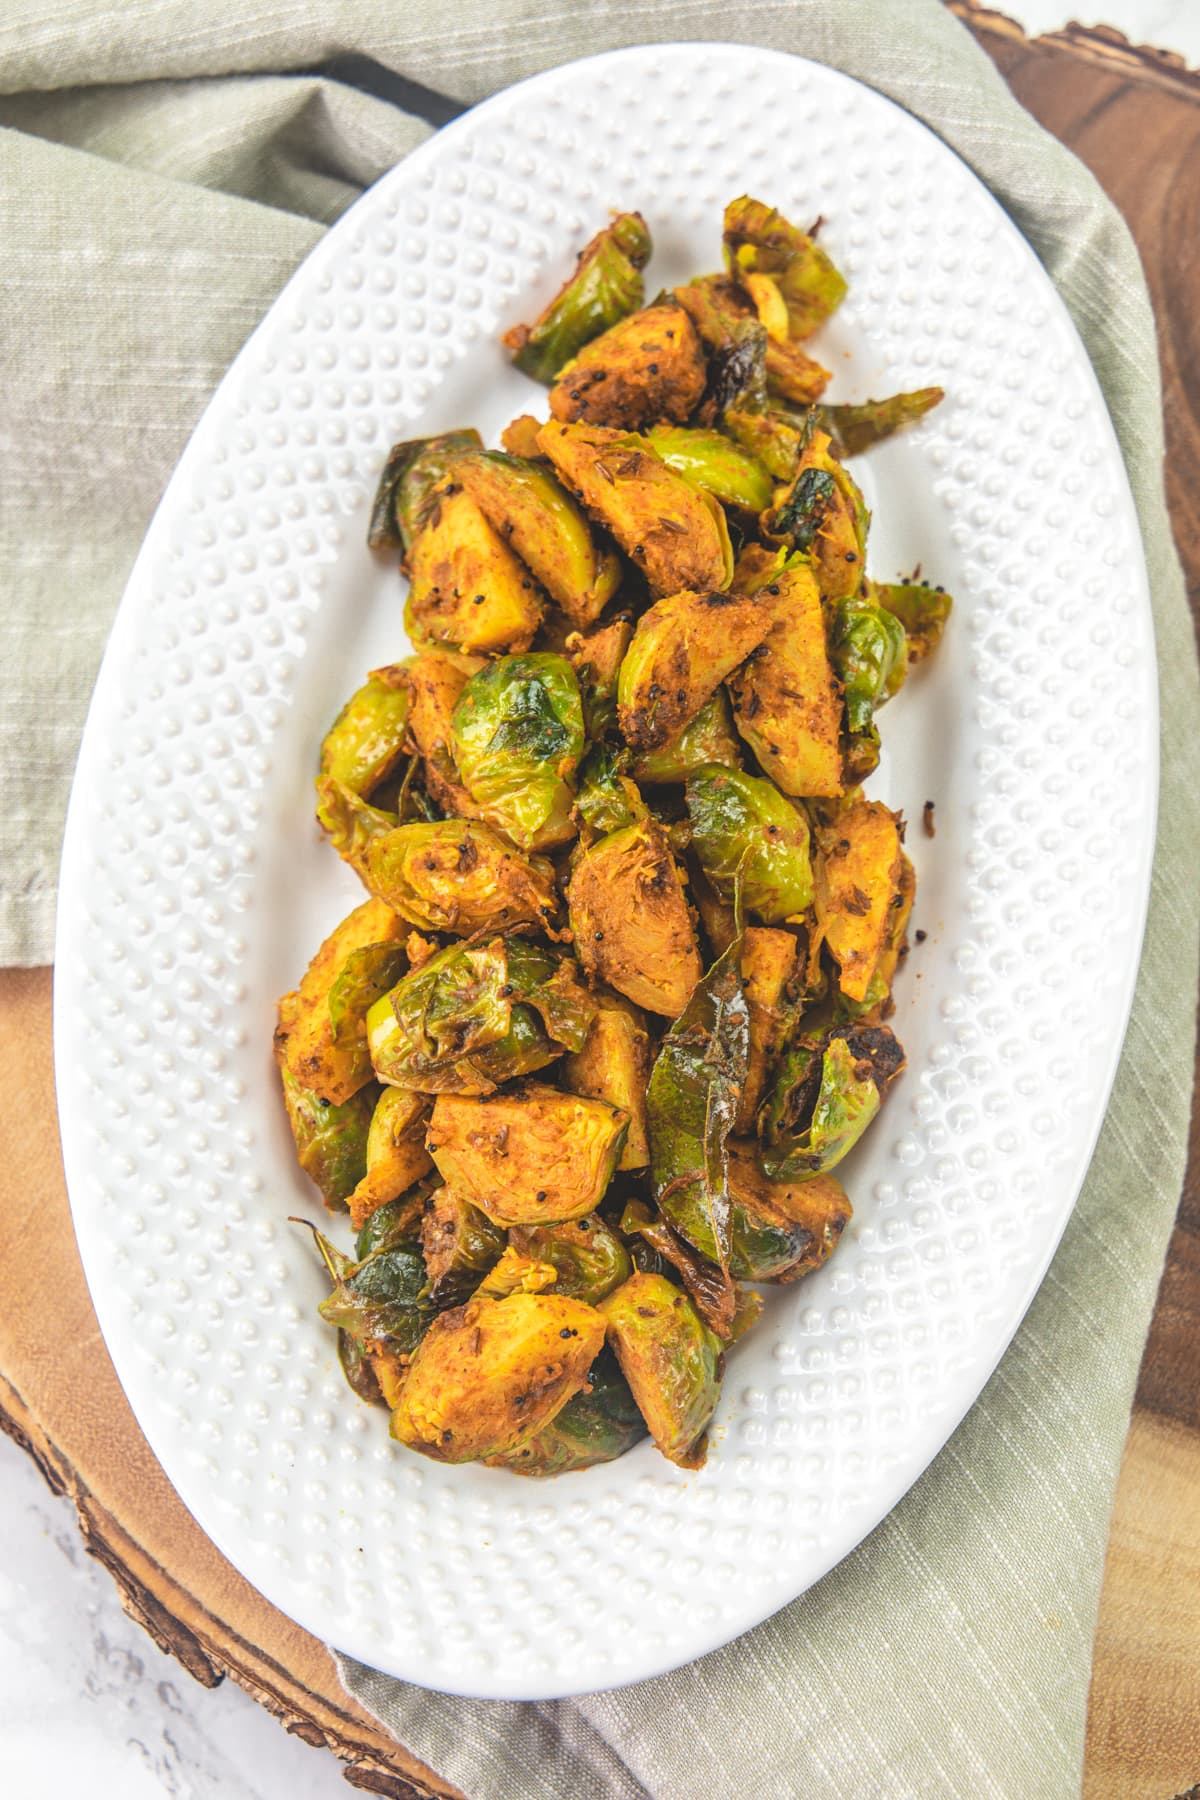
[
  {"x": 598, "y": 1424},
  {"x": 768, "y": 965},
  {"x": 736, "y": 342},
  {"x": 649, "y": 366},
  {"x": 476, "y": 1014},
  {"x": 434, "y": 681},
  {"x": 490, "y": 1375},
  {"x": 921, "y": 609},
  {"x": 782, "y": 1229},
  {"x": 365, "y": 743},
  {"x": 711, "y": 1289},
  {"x": 596, "y": 657},
  {"x": 536, "y": 1156},
  {"x": 516, "y": 1274},
  {"x": 682, "y": 649},
  {"x": 466, "y": 587},
  {"x": 856, "y": 881},
  {"x": 824, "y": 1095},
  {"x": 868, "y": 650},
  {"x": 545, "y": 527},
  {"x": 708, "y": 738},
  {"x": 760, "y": 241},
  {"x": 671, "y": 1360},
  {"x": 771, "y": 439},
  {"x": 381, "y": 1297},
  {"x": 745, "y": 832},
  {"x": 517, "y": 736},
  {"x": 356, "y": 1359},
  {"x": 823, "y": 514},
  {"x": 674, "y": 532},
  {"x": 854, "y": 429},
  {"x": 786, "y": 702},
  {"x": 731, "y": 474},
  {"x": 405, "y": 494},
  {"x": 614, "y": 1065},
  {"x": 875, "y": 1003},
  {"x": 607, "y": 800},
  {"x": 331, "y": 1141},
  {"x": 630, "y": 919},
  {"x": 450, "y": 876},
  {"x": 606, "y": 285},
  {"x": 396, "y": 1153},
  {"x": 396, "y": 1219},
  {"x": 589, "y": 1259},
  {"x": 519, "y": 437},
  {"x": 693, "y": 1097},
  {"x": 460, "y": 1244},
  {"x": 321, "y": 1033},
  {"x": 793, "y": 375}
]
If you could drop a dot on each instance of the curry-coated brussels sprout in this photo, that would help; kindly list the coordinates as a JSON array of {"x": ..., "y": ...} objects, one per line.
[
  {"x": 516, "y": 1273},
  {"x": 874, "y": 1005},
  {"x": 857, "y": 878},
  {"x": 868, "y": 649},
  {"x": 517, "y": 736},
  {"x": 596, "y": 657},
  {"x": 671, "y": 1360},
  {"x": 606, "y": 285},
  {"x": 396, "y": 1153},
  {"x": 383, "y": 1297},
  {"x": 399, "y": 1218},
  {"x": 598, "y": 1424},
  {"x": 366, "y": 741},
  {"x": 673, "y": 531},
  {"x": 606, "y": 799},
  {"x": 733, "y": 475},
  {"x": 519, "y": 436},
  {"x": 410, "y": 477},
  {"x": 528, "y": 1156},
  {"x": 321, "y": 1034},
  {"x": 823, "y": 515},
  {"x": 490, "y": 1375},
  {"x": 460, "y": 1245},
  {"x": 854, "y": 428},
  {"x": 648, "y": 366},
  {"x": 452, "y": 875},
  {"x": 769, "y": 965},
  {"x": 786, "y": 701},
  {"x": 544, "y": 525},
  {"x": 614, "y": 1065},
  {"x": 476, "y": 1014},
  {"x": 434, "y": 680},
  {"x": 589, "y": 1260},
  {"x": 736, "y": 342},
  {"x": 782, "y": 1229},
  {"x": 760, "y": 241},
  {"x": 773, "y": 440},
  {"x": 746, "y": 833},
  {"x": 331, "y": 1141},
  {"x": 683, "y": 648},
  {"x": 824, "y": 1094},
  {"x": 467, "y": 589},
  {"x": 630, "y": 919},
  {"x": 921, "y": 609},
  {"x": 708, "y": 738}
]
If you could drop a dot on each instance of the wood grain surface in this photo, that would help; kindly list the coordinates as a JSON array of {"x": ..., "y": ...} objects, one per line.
[{"x": 1134, "y": 117}]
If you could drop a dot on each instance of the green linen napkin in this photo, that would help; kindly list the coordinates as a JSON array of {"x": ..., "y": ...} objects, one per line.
[{"x": 160, "y": 176}]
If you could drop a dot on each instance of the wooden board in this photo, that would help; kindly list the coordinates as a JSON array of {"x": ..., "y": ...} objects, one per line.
[{"x": 1135, "y": 118}]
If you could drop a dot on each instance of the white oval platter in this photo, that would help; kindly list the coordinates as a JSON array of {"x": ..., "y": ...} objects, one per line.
[{"x": 195, "y": 886}]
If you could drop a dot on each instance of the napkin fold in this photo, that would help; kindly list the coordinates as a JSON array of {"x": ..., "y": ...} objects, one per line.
[{"x": 161, "y": 174}]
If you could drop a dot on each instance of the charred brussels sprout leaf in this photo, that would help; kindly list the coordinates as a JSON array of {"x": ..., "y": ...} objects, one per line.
[
  {"x": 745, "y": 831},
  {"x": 405, "y": 493},
  {"x": 782, "y": 1229},
  {"x": 760, "y": 241},
  {"x": 517, "y": 735},
  {"x": 588, "y": 1258},
  {"x": 823, "y": 1098},
  {"x": 854, "y": 429},
  {"x": 607, "y": 284},
  {"x": 733, "y": 475},
  {"x": 460, "y": 1244},
  {"x": 868, "y": 650},
  {"x": 365, "y": 743},
  {"x": 598, "y": 1424},
  {"x": 922, "y": 610},
  {"x": 331, "y": 1141},
  {"x": 671, "y": 1360}
]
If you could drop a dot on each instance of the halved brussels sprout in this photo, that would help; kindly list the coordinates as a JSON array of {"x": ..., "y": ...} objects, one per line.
[
  {"x": 875, "y": 1004},
  {"x": 460, "y": 1246},
  {"x": 596, "y": 657},
  {"x": 331, "y": 1141},
  {"x": 711, "y": 1288},
  {"x": 322, "y": 1034},
  {"x": 823, "y": 515},
  {"x": 434, "y": 681},
  {"x": 410, "y": 475},
  {"x": 545, "y": 527},
  {"x": 855, "y": 428},
  {"x": 474, "y": 1015},
  {"x": 606, "y": 285},
  {"x": 607, "y": 800},
  {"x": 824, "y": 1094},
  {"x": 782, "y": 1229},
  {"x": 649, "y": 366},
  {"x": 453, "y": 875},
  {"x": 732, "y": 475},
  {"x": 516, "y": 1273},
  {"x": 786, "y": 701},
  {"x": 490, "y": 1375},
  {"x": 708, "y": 738},
  {"x": 736, "y": 342},
  {"x": 671, "y": 1360},
  {"x": 466, "y": 587},
  {"x": 630, "y": 919},
  {"x": 396, "y": 1153},
  {"x": 792, "y": 374},
  {"x": 746, "y": 833},
  {"x": 614, "y": 1065},
  {"x": 517, "y": 737},
  {"x": 365, "y": 743},
  {"x": 589, "y": 1259},
  {"x": 921, "y": 609},
  {"x": 768, "y": 965},
  {"x": 770, "y": 438},
  {"x": 682, "y": 649},
  {"x": 674, "y": 532},
  {"x": 598, "y": 1424},
  {"x": 382, "y": 1297},
  {"x": 868, "y": 649},
  {"x": 760, "y": 241},
  {"x": 857, "y": 880},
  {"x": 535, "y": 1156}
]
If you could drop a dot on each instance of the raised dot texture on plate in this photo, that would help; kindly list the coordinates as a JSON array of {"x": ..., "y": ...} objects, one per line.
[{"x": 195, "y": 887}]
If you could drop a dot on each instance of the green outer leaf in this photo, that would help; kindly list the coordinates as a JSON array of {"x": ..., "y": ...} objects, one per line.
[
  {"x": 366, "y": 740},
  {"x": 362, "y": 978},
  {"x": 855, "y": 428},
  {"x": 591, "y": 1260},
  {"x": 606, "y": 799},
  {"x": 868, "y": 650},
  {"x": 708, "y": 738},
  {"x": 711, "y": 461},
  {"x": 331, "y": 1141},
  {"x": 592, "y": 1428},
  {"x": 921, "y": 609},
  {"x": 806, "y": 1135},
  {"x": 751, "y": 839},
  {"x": 517, "y": 736},
  {"x": 606, "y": 287},
  {"x": 410, "y": 474}
]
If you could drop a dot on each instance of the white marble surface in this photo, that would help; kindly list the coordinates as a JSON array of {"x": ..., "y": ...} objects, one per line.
[{"x": 87, "y": 1703}]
